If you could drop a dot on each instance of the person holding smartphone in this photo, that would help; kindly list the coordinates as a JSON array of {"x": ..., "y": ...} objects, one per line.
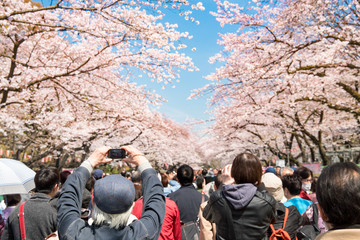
[{"x": 113, "y": 200}]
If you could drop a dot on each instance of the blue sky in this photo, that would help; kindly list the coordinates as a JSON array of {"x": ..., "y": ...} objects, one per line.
[{"x": 205, "y": 36}]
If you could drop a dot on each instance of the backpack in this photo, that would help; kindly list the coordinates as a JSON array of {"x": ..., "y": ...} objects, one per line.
[
  {"x": 280, "y": 233},
  {"x": 309, "y": 232}
]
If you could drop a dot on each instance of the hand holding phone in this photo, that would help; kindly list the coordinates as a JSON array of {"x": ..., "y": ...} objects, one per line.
[
  {"x": 117, "y": 153},
  {"x": 134, "y": 155},
  {"x": 99, "y": 156}
]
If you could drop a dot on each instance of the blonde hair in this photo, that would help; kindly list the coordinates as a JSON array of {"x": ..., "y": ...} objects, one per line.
[{"x": 113, "y": 220}]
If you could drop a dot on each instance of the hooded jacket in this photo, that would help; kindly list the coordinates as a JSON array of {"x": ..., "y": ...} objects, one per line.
[{"x": 252, "y": 211}]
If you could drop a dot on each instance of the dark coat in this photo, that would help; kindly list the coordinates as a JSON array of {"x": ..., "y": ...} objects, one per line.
[
  {"x": 250, "y": 221},
  {"x": 188, "y": 201},
  {"x": 40, "y": 219}
]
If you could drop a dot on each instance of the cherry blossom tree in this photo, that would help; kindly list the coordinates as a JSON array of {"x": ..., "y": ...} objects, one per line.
[
  {"x": 69, "y": 68},
  {"x": 290, "y": 70}
]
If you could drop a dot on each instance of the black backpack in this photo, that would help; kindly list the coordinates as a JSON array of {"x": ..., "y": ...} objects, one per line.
[
  {"x": 309, "y": 232},
  {"x": 280, "y": 233}
]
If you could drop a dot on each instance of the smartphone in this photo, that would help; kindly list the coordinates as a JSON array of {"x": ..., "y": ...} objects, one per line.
[{"x": 117, "y": 153}]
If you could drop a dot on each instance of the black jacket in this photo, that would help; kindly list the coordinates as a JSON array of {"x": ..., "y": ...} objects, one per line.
[{"x": 250, "y": 221}]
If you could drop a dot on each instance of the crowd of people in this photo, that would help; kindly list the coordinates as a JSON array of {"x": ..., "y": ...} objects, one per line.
[{"x": 241, "y": 201}]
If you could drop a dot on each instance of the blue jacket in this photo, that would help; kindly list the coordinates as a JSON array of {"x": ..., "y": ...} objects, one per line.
[
  {"x": 299, "y": 203},
  {"x": 174, "y": 186},
  {"x": 71, "y": 226}
]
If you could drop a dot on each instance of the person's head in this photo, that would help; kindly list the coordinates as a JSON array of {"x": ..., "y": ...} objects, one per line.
[
  {"x": 199, "y": 182},
  {"x": 47, "y": 180},
  {"x": 278, "y": 170},
  {"x": 306, "y": 177},
  {"x": 287, "y": 171},
  {"x": 270, "y": 170},
  {"x": 13, "y": 199},
  {"x": 128, "y": 175},
  {"x": 273, "y": 185},
  {"x": 136, "y": 177},
  {"x": 98, "y": 174},
  {"x": 63, "y": 176},
  {"x": 293, "y": 168},
  {"x": 185, "y": 175},
  {"x": 246, "y": 168},
  {"x": 215, "y": 171},
  {"x": 305, "y": 174},
  {"x": 113, "y": 201},
  {"x": 136, "y": 180},
  {"x": 90, "y": 184},
  {"x": 164, "y": 179},
  {"x": 171, "y": 174},
  {"x": 338, "y": 194},
  {"x": 222, "y": 179},
  {"x": 204, "y": 172},
  {"x": 291, "y": 185}
]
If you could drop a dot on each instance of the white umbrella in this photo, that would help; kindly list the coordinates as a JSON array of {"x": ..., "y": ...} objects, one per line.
[{"x": 15, "y": 177}]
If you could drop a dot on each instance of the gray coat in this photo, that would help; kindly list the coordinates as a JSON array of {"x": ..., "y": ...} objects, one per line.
[{"x": 40, "y": 219}]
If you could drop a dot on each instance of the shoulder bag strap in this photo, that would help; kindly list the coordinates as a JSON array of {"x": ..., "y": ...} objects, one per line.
[
  {"x": 315, "y": 214},
  {"x": 229, "y": 219},
  {"x": 22, "y": 221},
  {"x": 286, "y": 217}
]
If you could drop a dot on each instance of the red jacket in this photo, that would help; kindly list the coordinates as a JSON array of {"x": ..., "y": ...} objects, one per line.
[{"x": 171, "y": 228}]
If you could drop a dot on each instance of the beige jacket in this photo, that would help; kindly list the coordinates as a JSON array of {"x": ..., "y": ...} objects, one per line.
[
  {"x": 207, "y": 229},
  {"x": 340, "y": 234}
]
